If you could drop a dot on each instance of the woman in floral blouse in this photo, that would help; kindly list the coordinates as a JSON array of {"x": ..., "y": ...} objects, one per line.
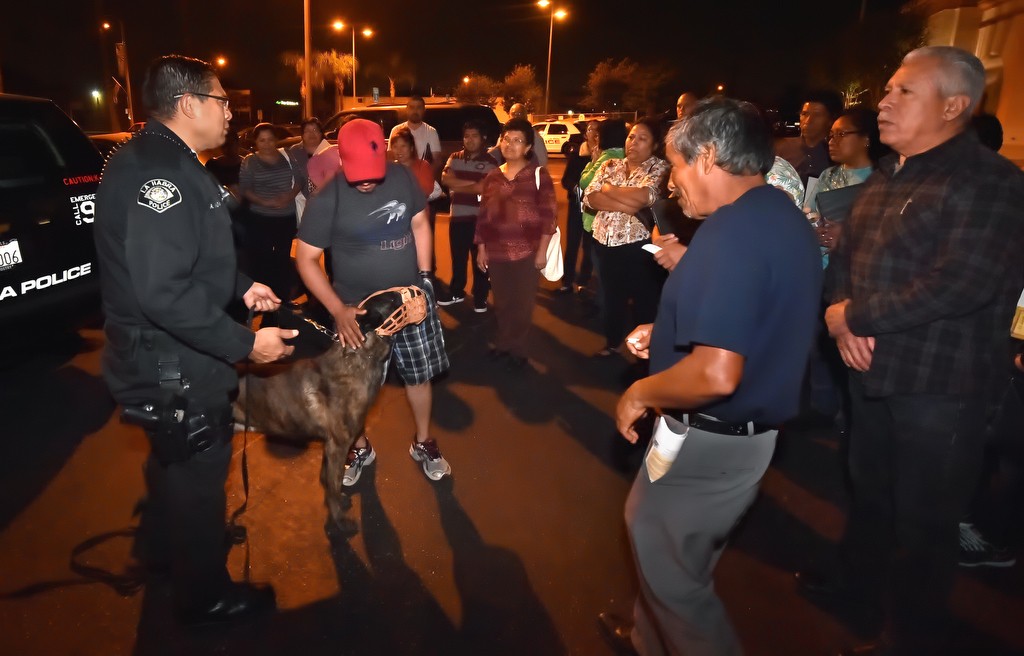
[
  {"x": 515, "y": 224},
  {"x": 620, "y": 189}
]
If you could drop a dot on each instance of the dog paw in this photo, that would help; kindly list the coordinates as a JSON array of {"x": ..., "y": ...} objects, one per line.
[{"x": 344, "y": 529}]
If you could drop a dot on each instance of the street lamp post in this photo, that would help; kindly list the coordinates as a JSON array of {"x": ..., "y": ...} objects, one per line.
[
  {"x": 307, "y": 90},
  {"x": 559, "y": 14},
  {"x": 122, "y": 61},
  {"x": 367, "y": 32}
]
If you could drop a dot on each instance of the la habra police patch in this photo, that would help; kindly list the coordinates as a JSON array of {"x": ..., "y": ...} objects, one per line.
[{"x": 159, "y": 195}]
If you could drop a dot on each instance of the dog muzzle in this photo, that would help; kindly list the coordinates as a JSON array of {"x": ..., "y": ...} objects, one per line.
[{"x": 413, "y": 309}]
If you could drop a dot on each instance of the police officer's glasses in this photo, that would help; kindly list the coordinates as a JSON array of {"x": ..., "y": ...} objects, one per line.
[{"x": 223, "y": 100}]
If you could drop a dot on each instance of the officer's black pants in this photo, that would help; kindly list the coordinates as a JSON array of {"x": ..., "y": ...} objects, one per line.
[{"x": 183, "y": 523}]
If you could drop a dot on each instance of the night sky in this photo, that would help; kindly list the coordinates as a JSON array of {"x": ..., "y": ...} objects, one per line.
[{"x": 759, "y": 50}]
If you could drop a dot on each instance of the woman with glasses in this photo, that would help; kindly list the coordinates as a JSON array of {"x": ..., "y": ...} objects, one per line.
[
  {"x": 515, "y": 224},
  {"x": 269, "y": 184},
  {"x": 854, "y": 146},
  {"x": 620, "y": 189}
]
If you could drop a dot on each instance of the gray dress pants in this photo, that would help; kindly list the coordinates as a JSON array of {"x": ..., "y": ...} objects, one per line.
[{"x": 678, "y": 527}]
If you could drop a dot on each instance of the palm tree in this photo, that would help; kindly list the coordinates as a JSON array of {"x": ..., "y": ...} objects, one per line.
[{"x": 331, "y": 65}]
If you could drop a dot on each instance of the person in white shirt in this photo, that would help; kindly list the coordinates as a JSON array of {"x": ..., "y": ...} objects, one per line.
[{"x": 428, "y": 144}]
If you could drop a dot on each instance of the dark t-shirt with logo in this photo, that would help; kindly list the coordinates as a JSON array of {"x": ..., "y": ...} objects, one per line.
[{"x": 369, "y": 234}]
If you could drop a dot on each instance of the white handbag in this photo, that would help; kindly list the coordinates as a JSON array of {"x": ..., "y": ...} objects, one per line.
[{"x": 553, "y": 269}]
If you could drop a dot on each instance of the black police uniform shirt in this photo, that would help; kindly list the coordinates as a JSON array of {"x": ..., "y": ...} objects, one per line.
[
  {"x": 167, "y": 262},
  {"x": 750, "y": 283},
  {"x": 369, "y": 233}
]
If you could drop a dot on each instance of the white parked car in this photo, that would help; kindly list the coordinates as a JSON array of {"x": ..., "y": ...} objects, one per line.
[{"x": 559, "y": 134}]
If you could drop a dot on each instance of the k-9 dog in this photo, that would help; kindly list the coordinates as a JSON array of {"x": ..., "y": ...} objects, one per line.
[{"x": 328, "y": 397}]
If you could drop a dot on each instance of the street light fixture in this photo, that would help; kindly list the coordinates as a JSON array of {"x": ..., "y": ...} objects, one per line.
[
  {"x": 560, "y": 14},
  {"x": 221, "y": 61},
  {"x": 465, "y": 80},
  {"x": 121, "y": 53},
  {"x": 366, "y": 32}
]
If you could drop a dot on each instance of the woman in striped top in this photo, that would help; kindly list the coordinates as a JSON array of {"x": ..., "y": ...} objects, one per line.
[{"x": 268, "y": 183}]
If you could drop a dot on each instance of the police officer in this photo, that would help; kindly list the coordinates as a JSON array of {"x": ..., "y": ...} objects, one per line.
[{"x": 167, "y": 272}]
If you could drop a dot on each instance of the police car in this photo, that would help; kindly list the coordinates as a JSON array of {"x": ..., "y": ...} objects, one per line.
[
  {"x": 560, "y": 135},
  {"x": 49, "y": 171}
]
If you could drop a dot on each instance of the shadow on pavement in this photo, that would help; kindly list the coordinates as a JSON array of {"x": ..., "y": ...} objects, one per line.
[
  {"x": 383, "y": 606},
  {"x": 47, "y": 409},
  {"x": 501, "y": 612}
]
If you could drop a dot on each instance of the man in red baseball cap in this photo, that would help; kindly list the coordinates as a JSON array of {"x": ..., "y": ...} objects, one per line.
[{"x": 374, "y": 220}]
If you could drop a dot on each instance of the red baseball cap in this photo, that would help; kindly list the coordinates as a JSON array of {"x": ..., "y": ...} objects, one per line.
[{"x": 362, "y": 151}]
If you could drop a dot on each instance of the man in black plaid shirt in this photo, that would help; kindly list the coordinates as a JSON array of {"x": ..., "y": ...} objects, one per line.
[{"x": 927, "y": 279}]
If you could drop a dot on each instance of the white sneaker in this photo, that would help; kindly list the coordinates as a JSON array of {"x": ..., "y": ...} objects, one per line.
[
  {"x": 355, "y": 461},
  {"x": 434, "y": 464}
]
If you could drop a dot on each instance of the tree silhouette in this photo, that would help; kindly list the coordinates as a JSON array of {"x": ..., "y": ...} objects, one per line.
[
  {"x": 520, "y": 86},
  {"x": 627, "y": 85},
  {"x": 480, "y": 89},
  {"x": 325, "y": 66}
]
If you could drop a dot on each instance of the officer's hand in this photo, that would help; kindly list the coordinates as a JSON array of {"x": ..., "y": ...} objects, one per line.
[
  {"x": 639, "y": 341},
  {"x": 270, "y": 346},
  {"x": 261, "y": 298},
  {"x": 349, "y": 333}
]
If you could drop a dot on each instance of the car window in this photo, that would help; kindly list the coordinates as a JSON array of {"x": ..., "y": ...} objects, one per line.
[
  {"x": 558, "y": 128},
  {"x": 28, "y": 156},
  {"x": 448, "y": 122},
  {"x": 385, "y": 118}
]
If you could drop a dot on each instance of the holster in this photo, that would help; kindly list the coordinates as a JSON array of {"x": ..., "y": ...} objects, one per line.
[{"x": 177, "y": 428}]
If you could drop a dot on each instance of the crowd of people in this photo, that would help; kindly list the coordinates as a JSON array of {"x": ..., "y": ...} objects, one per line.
[{"x": 866, "y": 268}]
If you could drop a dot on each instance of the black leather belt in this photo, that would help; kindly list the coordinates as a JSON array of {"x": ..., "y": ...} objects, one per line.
[{"x": 712, "y": 425}]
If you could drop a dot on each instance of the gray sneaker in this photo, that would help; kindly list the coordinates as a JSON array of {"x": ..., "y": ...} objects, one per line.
[
  {"x": 355, "y": 461},
  {"x": 434, "y": 464}
]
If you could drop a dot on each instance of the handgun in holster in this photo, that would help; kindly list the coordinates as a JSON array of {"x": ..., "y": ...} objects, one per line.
[{"x": 177, "y": 429}]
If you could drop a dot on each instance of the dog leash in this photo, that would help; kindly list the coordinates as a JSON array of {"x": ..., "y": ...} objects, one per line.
[{"x": 236, "y": 533}]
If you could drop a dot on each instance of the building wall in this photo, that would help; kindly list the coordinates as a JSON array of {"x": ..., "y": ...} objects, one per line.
[{"x": 994, "y": 31}]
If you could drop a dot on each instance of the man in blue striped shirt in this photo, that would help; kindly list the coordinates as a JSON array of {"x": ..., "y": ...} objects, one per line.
[{"x": 462, "y": 175}]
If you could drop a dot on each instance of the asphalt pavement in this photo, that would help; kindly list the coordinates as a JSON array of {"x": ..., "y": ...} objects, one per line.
[{"x": 516, "y": 553}]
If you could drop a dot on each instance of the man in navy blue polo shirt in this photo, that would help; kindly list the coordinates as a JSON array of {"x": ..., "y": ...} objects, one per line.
[{"x": 727, "y": 351}]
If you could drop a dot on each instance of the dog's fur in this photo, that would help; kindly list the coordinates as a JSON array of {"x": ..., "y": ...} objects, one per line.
[{"x": 324, "y": 398}]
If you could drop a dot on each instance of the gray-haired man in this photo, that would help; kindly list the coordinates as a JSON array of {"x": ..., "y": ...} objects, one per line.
[
  {"x": 727, "y": 353},
  {"x": 929, "y": 271}
]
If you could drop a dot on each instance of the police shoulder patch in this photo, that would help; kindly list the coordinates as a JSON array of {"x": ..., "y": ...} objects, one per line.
[{"x": 159, "y": 195}]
